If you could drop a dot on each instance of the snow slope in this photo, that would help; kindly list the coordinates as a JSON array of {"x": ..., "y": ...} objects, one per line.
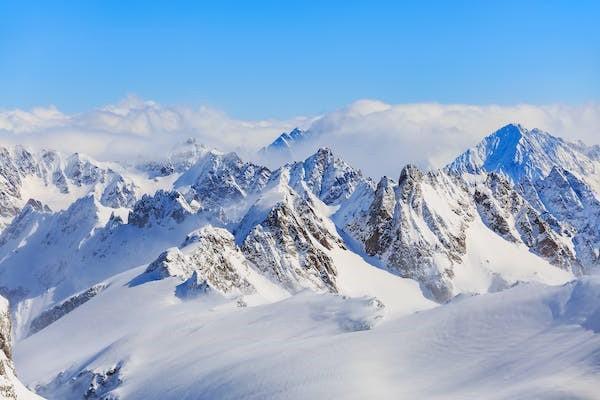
[{"x": 320, "y": 346}]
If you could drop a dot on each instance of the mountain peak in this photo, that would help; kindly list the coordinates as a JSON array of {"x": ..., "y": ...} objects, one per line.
[
  {"x": 296, "y": 133},
  {"x": 519, "y": 153},
  {"x": 322, "y": 153},
  {"x": 284, "y": 143},
  {"x": 329, "y": 178},
  {"x": 511, "y": 133},
  {"x": 409, "y": 171},
  {"x": 286, "y": 140}
]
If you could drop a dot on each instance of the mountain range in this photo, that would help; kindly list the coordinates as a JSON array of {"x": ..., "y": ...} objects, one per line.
[{"x": 202, "y": 275}]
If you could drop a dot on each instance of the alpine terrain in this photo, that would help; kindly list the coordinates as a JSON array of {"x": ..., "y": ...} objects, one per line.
[{"x": 202, "y": 275}]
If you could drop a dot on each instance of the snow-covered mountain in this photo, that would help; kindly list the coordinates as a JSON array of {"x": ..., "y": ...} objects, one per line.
[
  {"x": 58, "y": 180},
  {"x": 178, "y": 160},
  {"x": 558, "y": 179},
  {"x": 436, "y": 228},
  {"x": 283, "y": 145},
  {"x": 165, "y": 262},
  {"x": 522, "y": 154}
]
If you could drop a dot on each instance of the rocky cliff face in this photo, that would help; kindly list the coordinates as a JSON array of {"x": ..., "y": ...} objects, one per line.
[
  {"x": 160, "y": 209},
  {"x": 60, "y": 310},
  {"x": 554, "y": 192},
  {"x": 289, "y": 245},
  {"x": 329, "y": 178},
  {"x": 209, "y": 262},
  {"x": 10, "y": 387},
  {"x": 7, "y": 390},
  {"x": 417, "y": 227},
  {"x": 574, "y": 210},
  {"x": 218, "y": 180},
  {"x": 510, "y": 215},
  {"x": 211, "y": 257}
]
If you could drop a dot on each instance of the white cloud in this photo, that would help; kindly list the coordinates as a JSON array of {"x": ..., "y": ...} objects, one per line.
[
  {"x": 134, "y": 129},
  {"x": 377, "y": 137},
  {"x": 381, "y": 138}
]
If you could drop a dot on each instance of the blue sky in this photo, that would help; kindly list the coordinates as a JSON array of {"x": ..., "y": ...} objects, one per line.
[{"x": 258, "y": 59}]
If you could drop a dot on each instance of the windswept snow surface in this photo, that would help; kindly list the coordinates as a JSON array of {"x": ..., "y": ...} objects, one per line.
[{"x": 530, "y": 341}]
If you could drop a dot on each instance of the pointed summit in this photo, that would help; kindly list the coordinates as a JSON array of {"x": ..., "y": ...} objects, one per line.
[
  {"x": 329, "y": 178},
  {"x": 285, "y": 142},
  {"x": 519, "y": 153},
  {"x": 409, "y": 172}
]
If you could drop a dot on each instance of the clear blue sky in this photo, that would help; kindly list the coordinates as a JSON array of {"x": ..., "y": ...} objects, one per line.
[{"x": 258, "y": 59}]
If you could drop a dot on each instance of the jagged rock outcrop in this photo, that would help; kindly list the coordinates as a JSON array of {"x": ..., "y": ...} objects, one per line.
[
  {"x": 10, "y": 387},
  {"x": 329, "y": 178},
  {"x": 82, "y": 171},
  {"x": 7, "y": 390},
  {"x": 507, "y": 213},
  {"x": 416, "y": 227},
  {"x": 89, "y": 384},
  {"x": 576, "y": 209},
  {"x": 192, "y": 287},
  {"x": 170, "y": 262},
  {"x": 119, "y": 193},
  {"x": 288, "y": 242},
  {"x": 219, "y": 179},
  {"x": 211, "y": 255},
  {"x": 60, "y": 310},
  {"x": 161, "y": 208},
  {"x": 380, "y": 213}
]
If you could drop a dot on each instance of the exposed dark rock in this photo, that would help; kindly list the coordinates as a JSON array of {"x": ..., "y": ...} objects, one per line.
[{"x": 55, "y": 313}]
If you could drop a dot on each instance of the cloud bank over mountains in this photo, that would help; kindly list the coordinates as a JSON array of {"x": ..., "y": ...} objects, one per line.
[
  {"x": 381, "y": 138},
  {"x": 377, "y": 137},
  {"x": 134, "y": 129}
]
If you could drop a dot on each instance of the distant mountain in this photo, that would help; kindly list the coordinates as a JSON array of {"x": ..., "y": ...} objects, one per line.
[
  {"x": 519, "y": 153},
  {"x": 285, "y": 143},
  {"x": 58, "y": 180},
  {"x": 176, "y": 161}
]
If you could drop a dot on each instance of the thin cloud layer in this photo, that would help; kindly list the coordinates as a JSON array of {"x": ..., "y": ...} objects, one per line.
[
  {"x": 377, "y": 137},
  {"x": 135, "y": 129},
  {"x": 381, "y": 138}
]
